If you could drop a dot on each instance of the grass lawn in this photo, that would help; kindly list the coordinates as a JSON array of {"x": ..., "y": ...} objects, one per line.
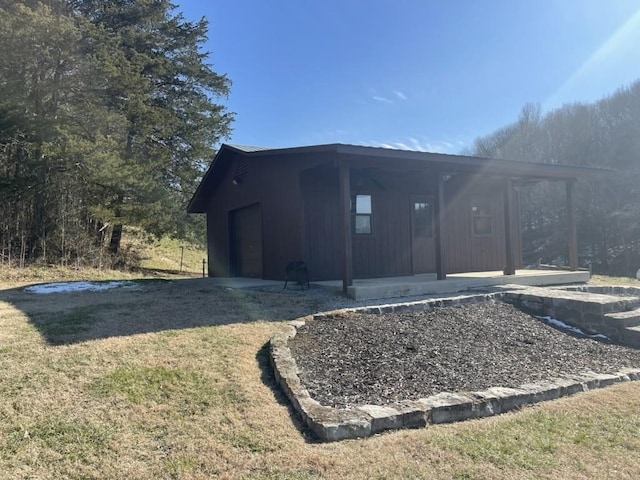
[{"x": 170, "y": 380}]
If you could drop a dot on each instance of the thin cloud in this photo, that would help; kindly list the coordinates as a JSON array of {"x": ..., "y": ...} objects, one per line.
[
  {"x": 399, "y": 94},
  {"x": 378, "y": 98},
  {"x": 414, "y": 144}
]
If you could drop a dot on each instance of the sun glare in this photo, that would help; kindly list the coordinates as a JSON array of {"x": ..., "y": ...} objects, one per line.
[{"x": 616, "y": 61}]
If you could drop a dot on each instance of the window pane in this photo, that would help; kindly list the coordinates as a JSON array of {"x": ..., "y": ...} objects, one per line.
[
  {"x": 481, "y": 206},
  {"x": 422, "y": 219},
  {"x": 482, "y": 216},
  {"x": 482, "y": 225},
  {"x": 363, "y": 204},
  {"x": 363, "y": 224}
]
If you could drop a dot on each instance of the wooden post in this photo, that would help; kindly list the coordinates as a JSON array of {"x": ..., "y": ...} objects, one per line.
[
  {"x": 345, "y": 224},
  {"x": 572, "y": 235},
  {"x": 509, "y": 268},
  {"x": 439, "y": 230}
]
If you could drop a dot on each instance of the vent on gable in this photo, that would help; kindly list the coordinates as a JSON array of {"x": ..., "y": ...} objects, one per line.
[{"x": 241, "y": 171}]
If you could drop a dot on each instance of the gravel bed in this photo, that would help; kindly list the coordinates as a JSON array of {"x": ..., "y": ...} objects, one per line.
[{"x": 358, "y": 359}]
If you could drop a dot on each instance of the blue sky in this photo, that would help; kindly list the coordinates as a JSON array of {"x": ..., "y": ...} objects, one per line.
[{"x": 414, "y": 74}]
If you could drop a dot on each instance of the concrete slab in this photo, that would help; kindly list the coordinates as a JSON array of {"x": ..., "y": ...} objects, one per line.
[
  {"x": 416, "y": 285},
  {"x": 427, "y": 284}
]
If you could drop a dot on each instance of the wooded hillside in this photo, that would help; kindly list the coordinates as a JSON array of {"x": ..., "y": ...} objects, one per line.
[
  {"x": 605, "y": 134},
  {"x": 109, "y": 112}
]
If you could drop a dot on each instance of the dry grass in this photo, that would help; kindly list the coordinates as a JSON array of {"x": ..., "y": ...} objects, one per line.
[
  {"x": 166, "y": 254},
  {"x": 171, "y": 381},
  {"x": 606, "y": 280},
  {"x": 161, "y": 258},
  {"x": 12, "y": 277}
]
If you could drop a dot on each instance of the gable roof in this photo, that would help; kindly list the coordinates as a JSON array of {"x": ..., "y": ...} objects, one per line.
[{"x": 445, "y": 162}]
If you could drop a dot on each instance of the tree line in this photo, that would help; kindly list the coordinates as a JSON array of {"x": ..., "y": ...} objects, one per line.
[
  {"x": 604, "y": 134},
  {"x": 109, "y": 111}
]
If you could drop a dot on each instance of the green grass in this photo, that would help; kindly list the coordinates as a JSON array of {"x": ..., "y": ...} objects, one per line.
[
  {"x": 68, "y": 323},
  {"x": 184, "y": 389},
  {"x": 527, "y": 443},
  {"x": 538, "y": 440},
  {"x": 73, "y": 438}
]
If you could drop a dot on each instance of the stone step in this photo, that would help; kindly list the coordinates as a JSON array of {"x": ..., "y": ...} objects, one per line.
[
  {"x": 632, "y": 336},
  {"x": 591, "y": 312},
  {"x": 629, "y": 318},
  {"x": 556, "y": 301}
]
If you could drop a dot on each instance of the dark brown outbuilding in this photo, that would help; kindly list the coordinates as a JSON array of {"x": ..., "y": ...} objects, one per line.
[{"x": 363, "y": 212}]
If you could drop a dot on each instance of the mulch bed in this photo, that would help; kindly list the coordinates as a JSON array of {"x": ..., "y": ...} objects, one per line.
[{"x": 379, "y": 359}]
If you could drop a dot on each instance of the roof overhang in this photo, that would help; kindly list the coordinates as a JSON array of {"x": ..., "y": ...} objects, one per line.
[{"x": 398, "y": 159}]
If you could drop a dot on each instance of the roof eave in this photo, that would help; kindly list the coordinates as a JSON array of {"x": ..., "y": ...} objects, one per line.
[
  {"x": 198, "y": 202},
  {"x": 446, "y": 163}
]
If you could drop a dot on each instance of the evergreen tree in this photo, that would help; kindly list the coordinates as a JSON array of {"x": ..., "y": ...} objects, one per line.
[
  {"x": 108, "y": 114},
  {"x": 160, "y": 81}
]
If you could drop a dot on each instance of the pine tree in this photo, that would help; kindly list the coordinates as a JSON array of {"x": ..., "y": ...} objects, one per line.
[
  {"x": 108, "y": 114},
  {"x": 158, "y": 79}
]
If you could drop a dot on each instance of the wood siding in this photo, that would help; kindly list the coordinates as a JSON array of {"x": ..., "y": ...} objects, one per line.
[
  {"x": 387, "y": 252},
  {"x": 274, "y": 183},
  {"x": 322, "y": 222},
  {"x": 226, "y": 198},
  {"x": 300, "y": 217},
  {"x": 466, "y": 252},
  {"x": 245, "y": 245}
]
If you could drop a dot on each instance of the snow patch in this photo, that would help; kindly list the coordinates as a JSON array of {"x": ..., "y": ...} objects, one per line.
[
  {"x": 66, "y": 287},
  {"x": 563, "y": 326}
]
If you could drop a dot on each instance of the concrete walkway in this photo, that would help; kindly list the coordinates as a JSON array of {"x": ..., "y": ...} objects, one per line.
[{"x": 427, "y": 284}]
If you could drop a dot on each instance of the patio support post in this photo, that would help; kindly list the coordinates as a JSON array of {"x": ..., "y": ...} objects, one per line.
[
  {"x": 345, "y": 230},
  {"x": 509, "y": 268},
  {"x": 572, "y": 235},
  {"x": 439, "y": 230}
]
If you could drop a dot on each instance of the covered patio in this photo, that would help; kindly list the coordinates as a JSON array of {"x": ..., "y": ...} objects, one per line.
[
  {"x": 418, "y": 285},
  {"x": 428, "y": 284}
]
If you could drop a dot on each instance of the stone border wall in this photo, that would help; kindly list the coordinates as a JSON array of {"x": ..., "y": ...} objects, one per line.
[{"x": 333, "y": 424}]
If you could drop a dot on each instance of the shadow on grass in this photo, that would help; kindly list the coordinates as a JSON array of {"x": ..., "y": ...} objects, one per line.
[
  {"x": 268, "y": 378},
  {"x": 151, "y": 306}
]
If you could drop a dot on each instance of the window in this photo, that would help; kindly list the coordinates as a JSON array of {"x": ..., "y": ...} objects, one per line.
[
  {"x": 481, "y": 216},
  {"x": 422, "y": 219},
  {"x": 362, "y": 210}
]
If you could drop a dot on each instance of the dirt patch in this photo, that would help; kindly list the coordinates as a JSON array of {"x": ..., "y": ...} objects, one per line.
[{"x": 358, "y": 359}]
